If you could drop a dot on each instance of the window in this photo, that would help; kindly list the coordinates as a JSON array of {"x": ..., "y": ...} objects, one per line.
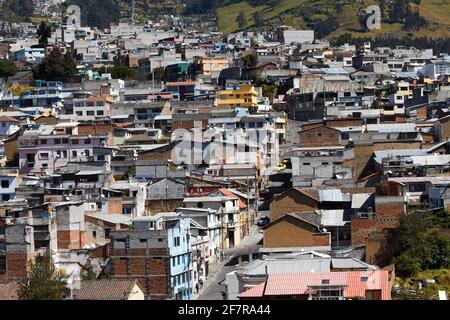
[
  {"x": 44, "y": 141},
  {"x": 107, "y": 232},
  {"x": 100, "y": 113},
  {"x": 75, "y": 141},
  {"x": 43, "y": 156},
  {"x": 178, "y": 260},
  {"x": 319, "y": 134},
  {"x": 3, "y": 124},
  {"x": 90, "y": 113},
  {"x": 57, "y": 141},
  {"x": 173, "y": 262},
  {"x": 418, "y": 187},
  {"x": 79, "y": 113},
  {"x": 94, "y": 234},
  {"x": 87, "y": 141},
  {"x": 5, "y": 184},
  {"x": 30, "y": 157},
  {"x": 74, "y": 153},
  {"x": 65, "y": 141},
  {"x": 86, "y": 152},
  {"x": 176, "y": 241}
]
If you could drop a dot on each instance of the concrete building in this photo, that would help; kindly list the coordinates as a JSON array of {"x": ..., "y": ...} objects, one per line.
[{"x": 157, "y": 252}]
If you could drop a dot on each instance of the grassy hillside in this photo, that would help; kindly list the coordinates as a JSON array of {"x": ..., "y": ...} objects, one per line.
[{"x": 305, "y": 13}]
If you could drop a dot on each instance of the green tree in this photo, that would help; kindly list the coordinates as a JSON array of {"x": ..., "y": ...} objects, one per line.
[
  {"x": 249, "y": 61},
  {"x": 258, "y": 19},
  {"x": 398, "y": 11},
  {"x": 241, "y": 20},
  {"x": 407, "y": 265},
  {"x": 7, "y": 69},
  {"x": 436, "y": 253},
  {"x": 421, "y": 246},
  {"x": 119, "y": 72},
  {"x": 56, "y": 67},
  {"x": 44, "y": 32},
  {"x": 269, "y": 91},
  {"x": 413, "y": 20},
  {"x": 44, "y": 281}
]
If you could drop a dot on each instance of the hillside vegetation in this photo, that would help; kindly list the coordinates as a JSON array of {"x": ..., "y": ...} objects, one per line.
[{"x": 332, "y": 18}]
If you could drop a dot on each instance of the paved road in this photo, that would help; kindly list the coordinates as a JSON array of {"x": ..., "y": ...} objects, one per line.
[{"x": 213, "y": 287}]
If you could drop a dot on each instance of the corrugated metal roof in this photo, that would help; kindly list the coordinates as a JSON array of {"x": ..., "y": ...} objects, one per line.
[
  {"x": 288, "y": 265},
  {"x": 330, "y": 195},
  {"x": 392, "y": 127},
  {"x": 350, "y": 264},
  {"x": 112, "y": 218},
  {"x": 89, "y": 172},
  {"x": 332, "y": 218},
  {"x": 355, "y": 282}
]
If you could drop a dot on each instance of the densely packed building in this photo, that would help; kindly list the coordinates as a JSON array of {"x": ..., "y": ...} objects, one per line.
[{"x": 152, "y": 181}]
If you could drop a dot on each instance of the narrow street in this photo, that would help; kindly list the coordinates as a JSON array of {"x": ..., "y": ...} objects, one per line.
[{"x": 213, "y": 288}]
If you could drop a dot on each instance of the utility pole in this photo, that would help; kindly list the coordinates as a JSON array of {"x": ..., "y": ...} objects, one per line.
[{"x": 133, "y": 12}]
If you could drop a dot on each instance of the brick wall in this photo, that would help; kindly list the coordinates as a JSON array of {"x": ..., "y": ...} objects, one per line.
[
  {"x": 17, "y": 264},
  {"x": 320, "y": 136},
  {"x": 154, "y": 207},
  {"x": 158, "y": 270},
  {"x": 73, "y": 239},
  {"x": 422, "y": 112},
  {"x": 289, "y": 232},
  {"x": 115, "y": 206},
  {"x": 389, "y": 212},
  {"x": 322, "y": 239},
  {"x": 361, "y": 228},
  {"x": 291, "y": 201}
]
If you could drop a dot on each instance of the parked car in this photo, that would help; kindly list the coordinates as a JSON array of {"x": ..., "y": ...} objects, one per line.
[{"x": 263, "y": 221}]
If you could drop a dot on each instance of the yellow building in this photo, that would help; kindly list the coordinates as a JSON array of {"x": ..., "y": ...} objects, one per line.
[
  {"x": 213, "y": 65},
  {"x": 245, "y": 96}
]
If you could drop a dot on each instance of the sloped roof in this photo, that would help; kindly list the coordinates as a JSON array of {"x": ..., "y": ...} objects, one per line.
[
  {"x": 105, "y": 289},
  {"x": 355, "y": 283},
  {"x": 230, "y": 195}
]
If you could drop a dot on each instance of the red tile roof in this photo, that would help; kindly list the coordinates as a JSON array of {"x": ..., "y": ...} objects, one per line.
[
  {"x": 181, "y": 83},
  {"x": 105, "y": 289},
  {"x": 230, "y": 195},
  {"x": 284, "y": 284}
]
